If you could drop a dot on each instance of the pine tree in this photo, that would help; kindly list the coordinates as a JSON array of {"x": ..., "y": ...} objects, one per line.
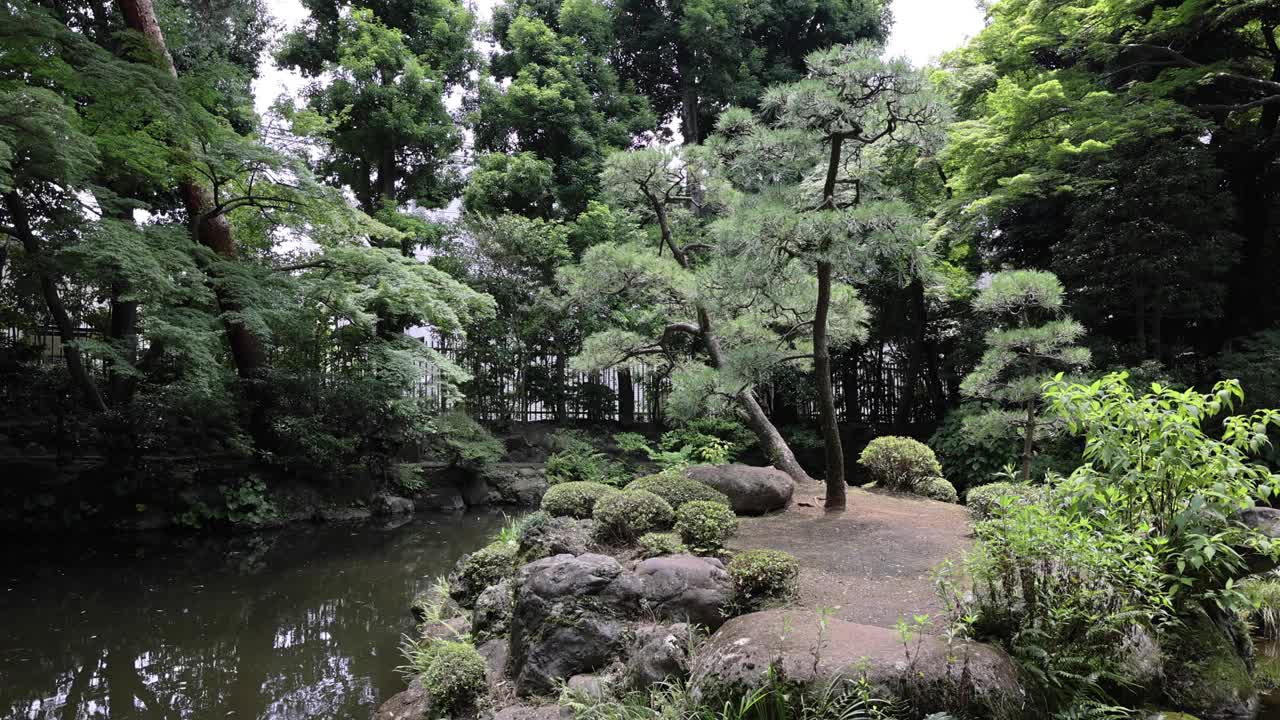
[
  {"x": 1032, "y": 340},
  {"x": 813, "y": 197}
]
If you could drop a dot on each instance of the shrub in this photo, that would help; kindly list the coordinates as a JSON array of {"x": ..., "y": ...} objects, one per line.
[
  {"x": 659, "y": 544},
  {"x": 762, "y": 578},
  {"x": 487, "y": 566},
  {"x": 677, "y": 489},
  {"x": 899, "y": 463},
  {"x": 984, "y": 501},
  {"x": 453, "y": 675},
  {"x": 971, "y": 456},
  {"x": 464, "y": 442},
  {"x": 705, "y": 525},
  {"x": 937, "y": 488},
  {"x": 574, "y": 499},
  {"x": 625, "y": 516}
]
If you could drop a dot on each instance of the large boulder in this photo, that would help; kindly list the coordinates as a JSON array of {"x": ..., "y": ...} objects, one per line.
[
  {"x": 411, "y": 704},
  {"x": 931, "y": 674},
  {"x": 1205, "y": 672},
  {"x": 685, "y": 588},
  {"x": 751, "y": 490},
  {"x": 657, "y": 653},
  {"x": 491, "y": 617},
  {"x": 544, "y": 536},
  {"x": 385, "y": 505},
  {"x": 516, "y": 485},
  {"x": 570, "y": 618}
]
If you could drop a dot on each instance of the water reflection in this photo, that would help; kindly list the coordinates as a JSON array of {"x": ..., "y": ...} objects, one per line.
[{"x": 299, "y": 624}]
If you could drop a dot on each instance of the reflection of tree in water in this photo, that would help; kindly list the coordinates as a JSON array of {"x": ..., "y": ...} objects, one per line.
[{"x": 298, "y": 624}]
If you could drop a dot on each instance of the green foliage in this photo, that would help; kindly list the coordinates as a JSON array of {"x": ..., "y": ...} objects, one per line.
[
  {"x": 1262, "y": 611},
  {"x": 937, "y": 488},
  {"x": 705, "y": 525},
  {"x": 676, "y": 489},
  {"x": 621, "y": 518},
  {"x": 487, "y": 566},
  {"x": 245, "y": 503},
  {"x": 899, "y": 463},
  {"x": 763, "y": 578},
  {"x": 1150, "y": 464},
  {"x": 465, "y": 442},
  {"x": 453, "y": 673},
  {"x": 778, "y": 698},
  {"x": 1032, "y": 340},
  {"x": 1063, "y": 598},
  {"x": 575, "y": 499},
  {"x": 409, "y": 477},
  {"x": 578, "y": 460},
  {"x": 1252, "y": 362},
  {"x": 656, "y": 544},
  {"x": 994, "y": 499},
  {"x": 970, "y": 459}
]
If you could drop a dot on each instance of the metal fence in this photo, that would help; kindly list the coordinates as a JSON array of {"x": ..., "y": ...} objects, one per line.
[{"x": 530, "y": 385}]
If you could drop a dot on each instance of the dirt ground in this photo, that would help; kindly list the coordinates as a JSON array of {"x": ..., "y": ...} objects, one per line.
[{"x": 871, "y": 563}]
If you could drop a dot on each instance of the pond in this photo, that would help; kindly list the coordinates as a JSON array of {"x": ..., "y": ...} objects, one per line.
[{"x": 301, "y": 623}]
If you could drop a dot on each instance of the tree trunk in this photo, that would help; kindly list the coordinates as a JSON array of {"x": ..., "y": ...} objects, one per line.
[
  {"x": 211, "y": 229},
  {"x": 53, "y": 301},
  {"x": 834, "y": 450},
  {"x": 124, "y": 334},
  {"x": 1028, "y": 441},
  {"x": 768, "y": 436},
  {"x": 826, "y": 397},
  {"x": 915, "y": 357},
  {"x": 626, "y": 398}
]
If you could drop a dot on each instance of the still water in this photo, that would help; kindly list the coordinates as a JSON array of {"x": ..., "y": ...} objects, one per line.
[{"x": 303, "y": 623}]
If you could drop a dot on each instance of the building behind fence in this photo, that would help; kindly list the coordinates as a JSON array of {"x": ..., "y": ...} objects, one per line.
[{"x": 869, "y": 384}]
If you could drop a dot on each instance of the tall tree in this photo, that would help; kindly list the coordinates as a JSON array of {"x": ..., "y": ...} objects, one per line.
[
  {"x": 812, "y": 175},
  {"x": 208, "y": 217},
  {"x": 693, "y": 58},
  {"x": 663, "y": 310},
  {"x": 1127, "y": 111},
  {"x": 378, "y": 101},
  {"x": 554, "y": 95}
]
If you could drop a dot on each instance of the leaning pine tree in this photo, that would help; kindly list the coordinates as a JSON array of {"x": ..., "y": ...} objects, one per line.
[
  {"x": 814, "y": 198},
  {"x": 1032, "y": 340}
]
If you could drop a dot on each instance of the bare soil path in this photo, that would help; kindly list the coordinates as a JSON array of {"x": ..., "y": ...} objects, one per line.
[{"x": 871, "y": 564}]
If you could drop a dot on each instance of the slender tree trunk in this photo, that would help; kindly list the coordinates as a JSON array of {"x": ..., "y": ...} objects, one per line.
[
  {"x": 211, "y": 229},
  {"x": 826, "y": 397},
  {"x": 53, "y": 301},
  {"x": 915, "y": 356},
  {"x": 626, "y": 398},
  {"x": 124, "y": 333},
  {"x": 1029, "y": 441},
  {"x": 767, "y": 435},
  {"x": 834, "y": 450}
]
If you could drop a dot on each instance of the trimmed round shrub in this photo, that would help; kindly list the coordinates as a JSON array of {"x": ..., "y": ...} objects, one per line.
[
  {"x": 899, "y": 463},
  {"x": 705, "y": 524},
  {"x": 762, "y": 578},
  {"x": 984, "y": 501},
  {"x": 453, "y": 675},
  {"x": 677, "y": 489},
  {"x": 658, "y": 544},
  {"x": 623, "y": 517},
  {"x": 936, "y": 488},
  {"x": 574, "y": 499},
  {"x": 487, "y": 566}
]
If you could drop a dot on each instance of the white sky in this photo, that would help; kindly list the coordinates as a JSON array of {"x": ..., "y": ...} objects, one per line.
[{"x": 922, "y": 30}]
